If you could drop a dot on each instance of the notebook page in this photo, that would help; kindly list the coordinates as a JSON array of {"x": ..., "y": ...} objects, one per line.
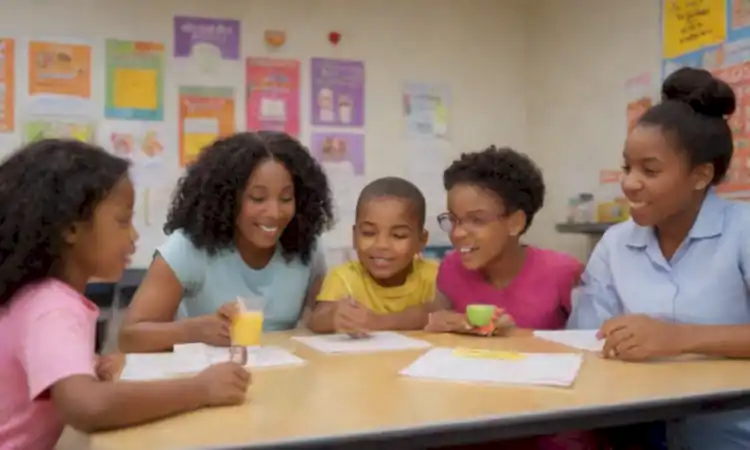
[
  {"x": 554, "y": 369},
  {"x": 580, "y": 339},
  {"x": 382, "y": 341}
]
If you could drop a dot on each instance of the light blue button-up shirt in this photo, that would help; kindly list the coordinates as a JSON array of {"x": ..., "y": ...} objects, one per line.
[{"x": 707, "y": 281}]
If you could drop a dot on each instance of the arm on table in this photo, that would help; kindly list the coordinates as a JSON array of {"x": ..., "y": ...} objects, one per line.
[
  {"x": 149, "y": 324},
  {"x": 57, "y": 358}
]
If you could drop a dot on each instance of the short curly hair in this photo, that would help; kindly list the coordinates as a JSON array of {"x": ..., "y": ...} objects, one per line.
[
  {"x": 207, "y": 199},
  {"x": 511, "y": 175},
  {"x": 45, "y": 188}
]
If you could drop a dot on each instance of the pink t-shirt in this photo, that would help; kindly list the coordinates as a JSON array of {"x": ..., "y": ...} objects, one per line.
[
  {"x": 47, "y": 334},
  {"x": 538, "y": 298}
]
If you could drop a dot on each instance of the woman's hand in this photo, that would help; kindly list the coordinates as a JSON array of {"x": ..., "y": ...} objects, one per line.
[
  {"x": 213, "y": 329},
  {"x": 639, "y": 338}
]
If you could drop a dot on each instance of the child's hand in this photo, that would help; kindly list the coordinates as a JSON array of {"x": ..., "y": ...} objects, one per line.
[
  {"x": 213, "y": 329},
  {"x": 447, "y": 321},
  {"x": 224, "y": 384},
  {"x": 108, "y": 367},
  {"x": 352, "y": 318}
]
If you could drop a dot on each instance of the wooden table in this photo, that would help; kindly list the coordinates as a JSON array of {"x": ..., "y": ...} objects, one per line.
[{"x": 356, "y": 401}]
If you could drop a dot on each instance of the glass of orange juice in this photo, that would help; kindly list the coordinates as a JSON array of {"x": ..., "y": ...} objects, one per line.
[{"x": 247, "y": 325}]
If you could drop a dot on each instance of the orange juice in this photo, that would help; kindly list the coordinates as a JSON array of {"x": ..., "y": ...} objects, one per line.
[{"x": 247, "y": 328}]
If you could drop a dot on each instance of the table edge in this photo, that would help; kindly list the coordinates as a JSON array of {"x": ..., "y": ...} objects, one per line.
[{"x": 496, "y": 427}]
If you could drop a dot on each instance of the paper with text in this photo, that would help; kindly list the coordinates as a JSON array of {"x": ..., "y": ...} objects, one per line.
[
  {"x": 382, "y": 341},
  {"x": 554, "y": 369},
  {"x": 580, "y": 339}
]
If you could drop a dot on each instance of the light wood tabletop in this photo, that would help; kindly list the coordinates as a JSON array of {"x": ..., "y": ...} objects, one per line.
[{"x": 362, "y": 395}]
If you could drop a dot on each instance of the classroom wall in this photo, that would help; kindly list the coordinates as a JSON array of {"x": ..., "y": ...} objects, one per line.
[
  {"x": 580, "y": 54},
  {"x": 476, "y": 47}
]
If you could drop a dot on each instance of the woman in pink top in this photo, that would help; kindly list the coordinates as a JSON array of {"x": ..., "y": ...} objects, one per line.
[
  {"x": 493, "y": 196},
  {"x": 67, "y": 211}
]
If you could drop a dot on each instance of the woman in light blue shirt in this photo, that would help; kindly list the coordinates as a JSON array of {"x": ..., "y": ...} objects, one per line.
[
  {"x": 244, "y": 222},
  {"x": 675, "y": 279}
]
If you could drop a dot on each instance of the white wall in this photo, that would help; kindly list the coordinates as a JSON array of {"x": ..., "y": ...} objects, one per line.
[
  {"x": 477, "y": 47},
  {"x": 580, "y": 53}
]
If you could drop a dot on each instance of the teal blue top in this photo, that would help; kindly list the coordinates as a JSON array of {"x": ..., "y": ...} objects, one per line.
[{"x": 210, "y": 281}]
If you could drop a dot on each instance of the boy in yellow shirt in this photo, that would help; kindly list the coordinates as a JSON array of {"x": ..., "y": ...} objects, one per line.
[{"x": 390, "y": 286}]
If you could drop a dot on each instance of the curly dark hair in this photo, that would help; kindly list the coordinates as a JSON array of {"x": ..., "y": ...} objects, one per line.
[
  {"x": 206, "y": 203},
  {"x": 511, "y": 175},
  {"x": 45, "y": 188}
]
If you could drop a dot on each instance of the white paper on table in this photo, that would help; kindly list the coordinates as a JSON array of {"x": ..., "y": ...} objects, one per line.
[
  {"x": 381, "y": 341},
  {"x": 580, "y": 339},
  {"x": 151, "y": 366},
  {"x": 257, "y": 357},
  {"x": 551, "y": 369}
]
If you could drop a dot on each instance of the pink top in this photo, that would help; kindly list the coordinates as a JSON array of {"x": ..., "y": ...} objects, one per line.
[
  {"x": 47, "y": 334},
  {"x": 538, "y": 298}
]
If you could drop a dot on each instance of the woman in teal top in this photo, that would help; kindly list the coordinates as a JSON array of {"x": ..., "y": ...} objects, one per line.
[{"x": 244, "y": 222}]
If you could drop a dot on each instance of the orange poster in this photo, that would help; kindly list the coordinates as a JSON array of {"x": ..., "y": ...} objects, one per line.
[
  {"x": 7, "y": 85},
  {"x": 737, "y": 181},
  {"x": 206, "y": 114},
  {"x": 59, "y": 77}
]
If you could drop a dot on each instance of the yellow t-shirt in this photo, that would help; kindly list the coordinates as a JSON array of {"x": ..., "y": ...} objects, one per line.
[{"x": 418, "y": 289}]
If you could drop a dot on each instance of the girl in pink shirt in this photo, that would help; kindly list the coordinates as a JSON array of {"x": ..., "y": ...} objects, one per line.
[
  {"x": 67, "y": 217},
  {"x": 493, "y": 196}
]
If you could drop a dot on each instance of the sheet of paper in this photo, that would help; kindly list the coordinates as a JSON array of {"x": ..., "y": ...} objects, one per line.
[
  {"x": 555, "y": 369},
  {"x": 382, "y": 341},
  {"x": 580, "y": 339},
  {"x": 153, "y": 366},
  {"x": 257, "y": 357}
]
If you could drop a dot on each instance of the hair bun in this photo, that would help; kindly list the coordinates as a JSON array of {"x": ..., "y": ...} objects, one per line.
[{"x": 705, "y": 93}]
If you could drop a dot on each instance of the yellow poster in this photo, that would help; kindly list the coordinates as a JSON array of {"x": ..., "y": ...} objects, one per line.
[{"x": 689, "y": 25}]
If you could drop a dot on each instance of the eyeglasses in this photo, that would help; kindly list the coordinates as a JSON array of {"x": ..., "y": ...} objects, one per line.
[{"x": 448, "y": 222}]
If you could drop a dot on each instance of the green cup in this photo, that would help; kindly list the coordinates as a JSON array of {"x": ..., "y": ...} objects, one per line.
[{"x": 480, "y": 315}]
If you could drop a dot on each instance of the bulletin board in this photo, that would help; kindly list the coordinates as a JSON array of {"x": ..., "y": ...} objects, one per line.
[{"x": 715, "y": 35}]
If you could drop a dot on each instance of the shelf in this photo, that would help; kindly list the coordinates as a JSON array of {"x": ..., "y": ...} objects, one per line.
[{"x": 583, "y": 228}]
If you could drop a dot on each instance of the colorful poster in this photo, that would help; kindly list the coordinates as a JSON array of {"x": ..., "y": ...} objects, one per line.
[
  {"x": 206, "y": 40},
  {"x": 59, "y": 78},
  {"x": 142, "y": 143},
  {"x": 35, "y": 130},
  {"x": 7, "y": 85},
  {"x": 729, "y": 59},
  {"x": 206, "y": 113},
  {"x": 639, "y": 91},
  {"x": 738, "y": 176},
  {"x": 345, "y": 151},
  {"x": 689, "y": 25},
  {"x": 425, "y": 110},
  {"x": 273, "y": 95},
  {"x": 134, "y": 80},
  {"x": 338, "y": 93}
]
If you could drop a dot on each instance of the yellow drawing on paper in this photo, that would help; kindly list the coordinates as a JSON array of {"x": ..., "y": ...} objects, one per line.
[{"x": 487, "y": 354}]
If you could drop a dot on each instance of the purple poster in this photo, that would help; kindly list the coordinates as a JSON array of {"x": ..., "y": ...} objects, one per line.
[
  {"x": 194, "y": 36},
  {"x": 338, "y": 93},
  {"x": 343, "y": 152}
]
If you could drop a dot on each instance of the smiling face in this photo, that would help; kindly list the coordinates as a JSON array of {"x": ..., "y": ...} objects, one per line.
[
  {"x": 103, "y": 245},
  {"x": 267, "y": 204},
  {"x": 659, "y": 182},
  {"x": 479, "y": 226},
  {"x": 387, "y": 237}
]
